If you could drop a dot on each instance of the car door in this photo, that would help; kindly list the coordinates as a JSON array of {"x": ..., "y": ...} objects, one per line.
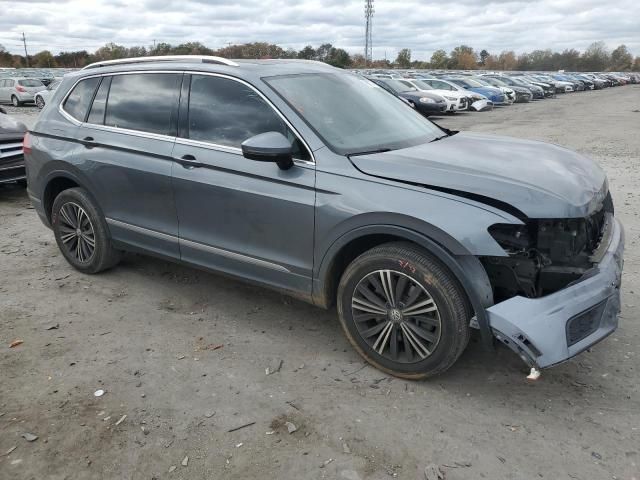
[
  {"x": 4, "y": 89},
  {"x": 128, "y": 136},
  {"x": 236, "y": 215}
]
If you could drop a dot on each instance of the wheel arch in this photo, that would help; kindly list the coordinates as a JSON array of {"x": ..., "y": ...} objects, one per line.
[
  {"x": 465, "y": 267},
  {"x": 56, "y": 182}
]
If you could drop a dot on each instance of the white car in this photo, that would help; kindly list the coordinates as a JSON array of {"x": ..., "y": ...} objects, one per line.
[
  {"x": 456, "y": 100},
  {"x": 42, "y": 97}
]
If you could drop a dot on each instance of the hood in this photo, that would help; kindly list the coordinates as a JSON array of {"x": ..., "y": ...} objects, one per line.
[
  {"x": 416, "y": 95},
  {"x": 8, "y": 125},
  {"x": 486, "y": 91},
  {"x": 538, "y": 179},
  {"x": 448, "y": 93}
]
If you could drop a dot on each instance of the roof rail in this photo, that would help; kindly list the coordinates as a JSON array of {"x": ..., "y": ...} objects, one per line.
[{"x": 165, "y": 58}]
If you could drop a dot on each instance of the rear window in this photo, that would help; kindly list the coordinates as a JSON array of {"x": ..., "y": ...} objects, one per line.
[
  {"x": 30, "y": 83},
  {"x": 147, "y": 102},
  {"x": 78, "y": 101}
]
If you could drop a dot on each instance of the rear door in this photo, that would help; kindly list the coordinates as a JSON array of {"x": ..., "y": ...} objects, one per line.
[
  {"x": 237, "y": 215},
  {"x": 128, "y": 135}
]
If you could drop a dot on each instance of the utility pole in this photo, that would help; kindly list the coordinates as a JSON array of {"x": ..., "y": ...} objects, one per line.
[
  {"x": 26, "y": 55},
  {"x": 368, "y": 36}
]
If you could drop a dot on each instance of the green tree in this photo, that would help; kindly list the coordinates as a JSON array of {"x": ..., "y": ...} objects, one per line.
[
  {"x": 43, "y": 59},
  {"x": 403, "y": 60},
  {"x": 439, "y": 59},
  {"x": 307, "y": 53},
  {"x": 595, "y": 58},
  {"x": 338, "y": 58},
  {"x": 483, "y": 56},
  {"x": 621, "y": 59}
]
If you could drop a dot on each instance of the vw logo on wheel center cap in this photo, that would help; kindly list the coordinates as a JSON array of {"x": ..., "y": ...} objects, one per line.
[{"x": 395, "y": 315}]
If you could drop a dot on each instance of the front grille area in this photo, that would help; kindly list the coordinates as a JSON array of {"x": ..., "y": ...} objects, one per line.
[
  {"x": 584, "y": 324},
  {"x": 11, "y": 160},
  {"x": 10, "y": 150}
]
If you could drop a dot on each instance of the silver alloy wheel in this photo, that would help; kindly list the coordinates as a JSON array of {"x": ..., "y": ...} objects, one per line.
[
  {"x": 76, "y": 232},
  {"x": 39, "y": 102},
  {"x": 14, "y": 101},
  {"x": 396, "y": 316}
]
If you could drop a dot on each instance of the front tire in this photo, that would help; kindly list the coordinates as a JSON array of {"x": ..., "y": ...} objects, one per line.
[
  {"x": 403, "y": 311},
  {"x": 81, "y": 232},
  {"x": 40, "y": 102}
]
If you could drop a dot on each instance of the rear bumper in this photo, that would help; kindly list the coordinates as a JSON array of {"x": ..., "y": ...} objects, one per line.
[{"x": 549, "y": 330}]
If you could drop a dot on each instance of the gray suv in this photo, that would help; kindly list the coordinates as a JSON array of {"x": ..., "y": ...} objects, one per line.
[{"x": 317, "y": 182}]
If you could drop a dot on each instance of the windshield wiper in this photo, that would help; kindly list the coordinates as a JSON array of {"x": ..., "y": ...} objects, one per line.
[
  {"x": 369, "y": 152},
  {"x": 440, "y": 138}
]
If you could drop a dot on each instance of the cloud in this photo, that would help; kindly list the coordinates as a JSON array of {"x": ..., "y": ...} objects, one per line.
[{"x": 494, "y": 25}]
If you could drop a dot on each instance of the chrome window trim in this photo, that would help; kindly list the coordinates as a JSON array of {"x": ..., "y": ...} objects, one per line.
[
  {"x": 135, "y": 133},
  {"x": 183, "y": 141},
  {"x": 209, "y": 145},
  {"x": 198, "y": 246}
]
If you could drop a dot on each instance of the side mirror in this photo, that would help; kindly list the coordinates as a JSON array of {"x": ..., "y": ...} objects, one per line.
[{"x": 269, "y": 147}]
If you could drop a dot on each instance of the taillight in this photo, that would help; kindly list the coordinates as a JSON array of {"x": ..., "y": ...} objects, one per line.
[
  {"x": 20, "y": 89},
  {"x": 26, "y": 143}
]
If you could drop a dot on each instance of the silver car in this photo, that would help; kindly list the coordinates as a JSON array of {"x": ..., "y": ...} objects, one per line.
[
  {"x": 19, "y": 90},
  {"x": 42, "y": 97}
]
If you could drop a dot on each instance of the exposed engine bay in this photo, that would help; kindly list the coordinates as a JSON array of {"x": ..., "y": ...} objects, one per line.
[{"x": 546, "y": 255}]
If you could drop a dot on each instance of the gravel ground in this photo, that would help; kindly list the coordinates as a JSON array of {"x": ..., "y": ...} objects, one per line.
[{"x": 182, "y": 353}]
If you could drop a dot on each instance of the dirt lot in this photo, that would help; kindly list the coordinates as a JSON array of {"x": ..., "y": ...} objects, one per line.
[{"x": 183, "y": 353}]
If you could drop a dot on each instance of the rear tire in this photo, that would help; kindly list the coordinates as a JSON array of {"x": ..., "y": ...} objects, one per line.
[
  {"x": 81, "y": 232},
  {"x": 417, "y": 331},
  {"x": 39, "y": 102},
  {"x": 15, "y": 101}
]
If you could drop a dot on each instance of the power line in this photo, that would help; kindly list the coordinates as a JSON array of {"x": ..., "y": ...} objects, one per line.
[{"x": 26, "y": 55}]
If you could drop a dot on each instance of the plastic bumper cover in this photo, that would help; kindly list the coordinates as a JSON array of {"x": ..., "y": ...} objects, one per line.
[{"x": 549, "y": 330}]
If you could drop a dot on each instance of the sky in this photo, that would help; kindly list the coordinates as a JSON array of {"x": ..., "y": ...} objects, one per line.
[{"x": 423, "y": 26}]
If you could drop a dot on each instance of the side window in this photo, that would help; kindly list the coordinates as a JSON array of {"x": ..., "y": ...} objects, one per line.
[
  {"x": 78, "y": 101},
  {"x": 144, "y": 101},
  {"x": 96, "y": 114},
  {"x": 227, "y": 112}
]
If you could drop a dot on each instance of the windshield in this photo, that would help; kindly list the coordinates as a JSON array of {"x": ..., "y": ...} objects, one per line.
[
  {"x": 423, "y": 85},
  {"x": 495, "y": 82},
  {"x": 483, "y": 82},
  {"x": 398, "y": 86},
  {"x": 352, "y": 114}
]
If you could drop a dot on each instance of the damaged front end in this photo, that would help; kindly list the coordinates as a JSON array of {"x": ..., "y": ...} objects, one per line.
[{"x": 557, "y": 289}]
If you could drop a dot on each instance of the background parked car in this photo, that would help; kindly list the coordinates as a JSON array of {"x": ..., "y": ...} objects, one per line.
[
  {"x": 456, "y": 101},
  {"x": 42, "y": 97},
  {"x": 492, "y": 93},
  {"x": 474, "y": 97},
  {"x": 426, "y": 103},
  {"x": 19, "y": 90},
  {"x": 11, "y": 155}
]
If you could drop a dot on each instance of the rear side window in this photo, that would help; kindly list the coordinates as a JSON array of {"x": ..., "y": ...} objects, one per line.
[
  {"x": 78, "y": 101},
  {"x": 146, "y": 102},
  {"x": 227, "y": 112},
  {"x": 31, "y": 83},
  {"x": 96, "y": 115}
]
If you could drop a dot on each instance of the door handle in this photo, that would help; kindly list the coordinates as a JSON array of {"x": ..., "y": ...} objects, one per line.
[
  {"x": 188, "y": 161},
  {"x": 89, "y": 142}
]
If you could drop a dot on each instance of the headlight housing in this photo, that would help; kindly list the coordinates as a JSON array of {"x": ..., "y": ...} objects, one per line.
[
  {"x": 451, "y": 99},
  {"x": 427, "y": 100}
]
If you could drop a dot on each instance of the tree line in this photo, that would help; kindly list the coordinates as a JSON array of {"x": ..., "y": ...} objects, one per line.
[{"x": 597, "y": 57}]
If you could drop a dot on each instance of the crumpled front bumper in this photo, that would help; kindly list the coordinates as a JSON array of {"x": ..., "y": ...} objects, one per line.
[{"x": 549, "y": 330}]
